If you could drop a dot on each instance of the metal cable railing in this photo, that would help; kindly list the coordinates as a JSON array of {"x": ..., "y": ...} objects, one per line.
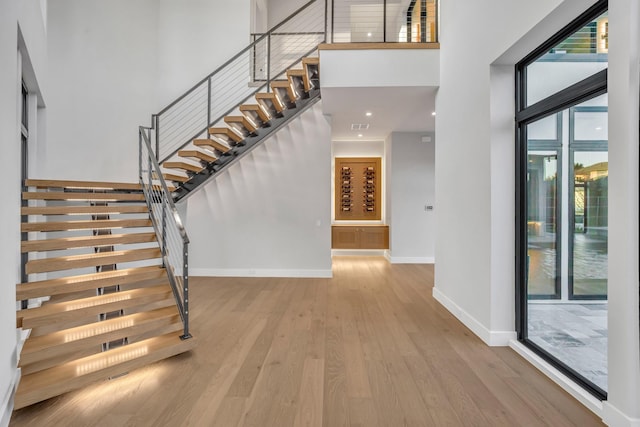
[
  {"x": 172, "y": 237},
  {"x": 354, "y": 21},
  {"x": 250, "y": 71}
]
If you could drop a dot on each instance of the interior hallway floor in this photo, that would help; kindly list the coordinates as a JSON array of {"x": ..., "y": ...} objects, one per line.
[{"x": 369, "y": 347}]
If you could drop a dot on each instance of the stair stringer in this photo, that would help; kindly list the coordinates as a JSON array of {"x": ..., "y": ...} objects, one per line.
[
  {"x": 279, "y": 196},
  {"x": 197, "y": 181}
]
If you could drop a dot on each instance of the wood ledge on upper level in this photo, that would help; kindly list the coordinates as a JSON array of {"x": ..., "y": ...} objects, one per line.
[{"x": 371, "y": 46}]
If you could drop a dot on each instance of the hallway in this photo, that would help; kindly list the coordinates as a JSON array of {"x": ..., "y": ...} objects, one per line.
[{"x": 369, "y": 347}]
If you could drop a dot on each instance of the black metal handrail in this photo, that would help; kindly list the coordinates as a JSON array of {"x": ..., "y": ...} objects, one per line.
[
  {"x": 170, "y": 232},
  {"x": 220, "y": 92}
]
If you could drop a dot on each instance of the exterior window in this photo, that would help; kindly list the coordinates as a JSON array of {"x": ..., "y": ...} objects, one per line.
[{"x": 562, "y": 200}]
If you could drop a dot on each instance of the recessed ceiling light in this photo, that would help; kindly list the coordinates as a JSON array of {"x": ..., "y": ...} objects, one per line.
[
  {"x": 368, "y": 114},
  {"x": 599, "y": 128},
  {"x": 359, "y": 135},
  {"x": 368, "y": 34},
  {"x": 433, "y": 114}
]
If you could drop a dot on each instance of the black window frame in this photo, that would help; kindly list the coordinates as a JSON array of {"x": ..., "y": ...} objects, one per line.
[{"x": 588, "y": 88}]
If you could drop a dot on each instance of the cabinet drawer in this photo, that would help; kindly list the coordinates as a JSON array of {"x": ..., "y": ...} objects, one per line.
[{"x": 360, "y": 237}]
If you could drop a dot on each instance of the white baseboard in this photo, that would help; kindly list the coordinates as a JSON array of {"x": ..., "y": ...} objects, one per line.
[
  {"x": 7, "y": 401},
  {"x": 356, "y": 252},
  {"x": 410, "y": 260},
  {"x": 259, "y": 272},
  {"x": 612, "y": 416},
  {"x": 579, "y": 393},
  {"x": 491, "y": 338}
]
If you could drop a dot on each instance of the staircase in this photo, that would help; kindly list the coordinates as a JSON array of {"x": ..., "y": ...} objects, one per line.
[
  {"x": 109, "y": 304},
  {"x": 250, "y": 123}
]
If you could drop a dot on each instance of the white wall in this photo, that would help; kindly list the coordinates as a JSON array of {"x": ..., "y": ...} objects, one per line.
[
  {"x": 268, "y": 214},
  {"x": 465, "y": 199},
  {"x": 280, "y": 9},
  {"x": 115, "y": 63},
  {"x": 28, "y": 16},
  {"x": 623, "y": 403},
  {"x": 412, "y": 227},
  {"x": 384, "y": 68}
]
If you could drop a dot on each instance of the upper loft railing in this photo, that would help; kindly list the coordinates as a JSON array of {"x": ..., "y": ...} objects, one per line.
[
  {"x": 383, "y": 21},
  {"x": 248, "y": 72}
]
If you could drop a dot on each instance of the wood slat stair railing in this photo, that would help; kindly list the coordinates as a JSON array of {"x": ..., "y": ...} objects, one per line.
[
  {"x": 66, "y": 347},
  {"x": 224, "y": 140}
]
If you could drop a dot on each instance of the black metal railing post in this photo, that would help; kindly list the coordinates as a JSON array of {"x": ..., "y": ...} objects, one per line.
[
  {"x": 423, "y": 21},
  {"x": 185, "y": 289},
  {"x": 156, "y": 126},
  {"x": 333, "y": 17},
  {"x": 209, "y": 101},
  {"x": 384, "y": 21},
  {"x": 326, "y": 5},
  {"x": 164, "y": 228},
  {"x": 269, "y": 62}
]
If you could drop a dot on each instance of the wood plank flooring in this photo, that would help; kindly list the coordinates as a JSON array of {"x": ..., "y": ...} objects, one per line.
[{"x": 368, "y": 348}]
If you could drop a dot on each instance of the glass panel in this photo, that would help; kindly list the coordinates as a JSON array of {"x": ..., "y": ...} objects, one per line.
[
  {"x": 580, "y": 55},
  {"x": 590, "y": 126},
  {"x": 542, "y": 254},
  {"x": 567, "y": 207},
  {"x": 545, "y": 129},
  {"x": 590, "y": 174}
]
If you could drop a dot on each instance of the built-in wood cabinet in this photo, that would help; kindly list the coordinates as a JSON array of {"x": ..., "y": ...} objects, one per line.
[{"x": 360, "y": 237}]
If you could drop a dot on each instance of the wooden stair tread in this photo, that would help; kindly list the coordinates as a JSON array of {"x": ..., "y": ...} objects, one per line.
[
  {"x": 258, "y": 109},
  {"x": 88, "y": 210},
  {"x": 72, "y": 375},
  {"x": 196, "y": 154},
  {"x": 226, "y": 133},
  {"x": 51, "y": 313},
  {"x": 302, "y": 73},
  {"x": 182, "y": 165},
  {"x": 70, "y": 284},
  {"x": 285, "y": 84},
  {"x": 277, "y": 104},
  {"x": 90, "y": 260},
  {"x": 281, "y": 83},
  {"x": 211, "y": 143},
  {"x": 242, "y": 121},
  {"x": 62, "y": 195},
  {"x": 55, "y": 183},
  {"x": 311, "y": 60},
  {"x": 69, "y": 340},
  {"x": 176, "y": 178},
  {"x": 84, "y": 225},
  {"x": 86, "y": 241}
]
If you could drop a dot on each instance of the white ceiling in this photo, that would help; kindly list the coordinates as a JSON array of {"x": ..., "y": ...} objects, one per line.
[{"x": 400, "y": 109}]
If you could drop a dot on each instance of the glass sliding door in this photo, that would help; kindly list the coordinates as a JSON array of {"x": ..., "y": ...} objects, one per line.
[
  {"x": 542, "y": 225},
  {"x": 562, "y": 200},
  {"x": 589, "y": 208}
]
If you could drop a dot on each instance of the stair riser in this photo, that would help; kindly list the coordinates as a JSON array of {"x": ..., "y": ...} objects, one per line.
[
  {"x": 26, "y": 291},
  {"x": 38, "y": 394},
  {"x": 56, "y": 264},
  {"x": 33, "y": 354}
]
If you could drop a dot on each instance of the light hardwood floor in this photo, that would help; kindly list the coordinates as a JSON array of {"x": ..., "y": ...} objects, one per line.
[{"x": 368, "y": 348}]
